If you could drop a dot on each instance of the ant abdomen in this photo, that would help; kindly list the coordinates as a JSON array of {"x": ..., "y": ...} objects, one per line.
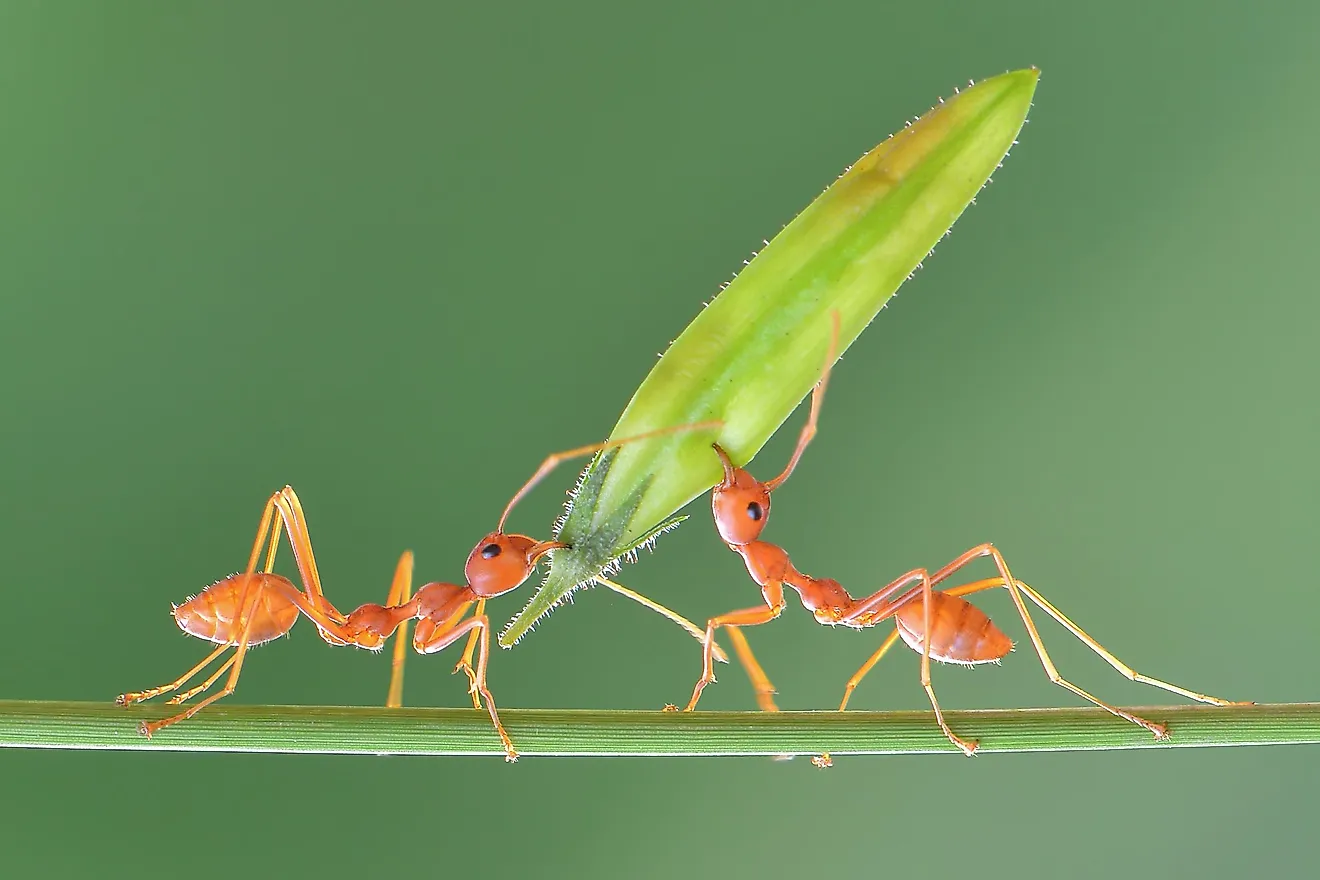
[
  {"x": 213, "y": 614},
  {"x": 959, "y": 631}
]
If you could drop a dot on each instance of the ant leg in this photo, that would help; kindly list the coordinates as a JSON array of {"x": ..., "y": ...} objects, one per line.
[
  {"x": 400, "y": 593},
  {"x": 138, "y": 696},
  {"x": 968, "y": 746},
  {"x": 246, "y": 612},
  {"x": 295, "y": 524},
  {"x": 1051, "y": 671},
  {"x": 773, "y": 607},
  {"x": 765, "y": 691},
  {"x": 206, "y": 685},
  {"x": 808, "y": 432},
  {"x": 1123, "y": 669},
  {"x": 693, "y": 630},
  {"x": 964, "y": 590},
  {"x": 267, "y": 536},
  {"x": 553, "y": 461},
  {"x": 465, "y": 664},
  {"x": 866, "y": 667},
  {"x": 443, "y": 637}
]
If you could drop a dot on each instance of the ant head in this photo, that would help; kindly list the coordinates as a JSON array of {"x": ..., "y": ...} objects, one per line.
[
  {"x": 741, "y": 504},
  {"x": 500, "y": 563}
]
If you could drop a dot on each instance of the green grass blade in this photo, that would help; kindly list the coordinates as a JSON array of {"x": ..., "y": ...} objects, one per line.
[
  {"x": 557, "y": 732},
  {"x": 754, "y": 353}
]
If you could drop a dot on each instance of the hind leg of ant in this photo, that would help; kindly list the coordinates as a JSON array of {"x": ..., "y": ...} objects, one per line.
[
  {"x": 773, "y": 607},
  {"x": 1122, "y": 668},
  {"x": 187, "y": 695},
  {"x": 235, "y": 664},
  {"x": 295, "y": 525},
  {"x": 441, "y": 637},
  {"x": 132, "y": 697},
  {"x": 765, "y": 691},
  {"x": 464, "y": 665},
  {"x": 267, "y": 538},
  {"x": 400, "y": 593},
  {"x": 1051, "y": 671}
]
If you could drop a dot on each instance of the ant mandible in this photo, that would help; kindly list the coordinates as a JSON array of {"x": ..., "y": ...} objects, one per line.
[
  {"x": 258, "y": 606},
  {"x": 940, "y": 625}
]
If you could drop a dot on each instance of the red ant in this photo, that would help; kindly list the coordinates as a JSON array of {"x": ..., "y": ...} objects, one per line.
[
  {"x": 258, "y": 606},
  {"x": 937, "y": 624}
]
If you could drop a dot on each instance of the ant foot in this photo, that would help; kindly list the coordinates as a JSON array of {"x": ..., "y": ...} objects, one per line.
[
  {"x": 464, "y": 667},
  {"x": 1161, "y": 731},
  {"x": 669, "y": 707},
  {"x": 823, "y": 761},
  {"x": 144, "y": 729}
]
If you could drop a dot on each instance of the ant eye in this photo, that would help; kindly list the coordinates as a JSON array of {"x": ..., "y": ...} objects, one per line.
[
  {"x": 490, "y": 551},
  {"x": 754, "y": 511}
]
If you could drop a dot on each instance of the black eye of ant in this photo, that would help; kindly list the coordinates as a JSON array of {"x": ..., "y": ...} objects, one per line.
[
  {"x": 754, "y": 511},
  {"x": 490, "y": 551}
]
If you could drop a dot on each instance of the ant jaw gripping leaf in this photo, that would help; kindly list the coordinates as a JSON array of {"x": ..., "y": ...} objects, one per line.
[{"x": 756, "y": 351}]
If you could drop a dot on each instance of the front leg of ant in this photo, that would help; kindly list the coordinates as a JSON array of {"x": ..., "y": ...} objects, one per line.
[
  {"x": 464, "y": 665},
  {"x": 773, "y": 607},
  {"x": 430, "y": 640}
]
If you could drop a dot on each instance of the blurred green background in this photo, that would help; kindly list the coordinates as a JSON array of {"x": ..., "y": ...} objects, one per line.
[{"x": 394, "y": 254}]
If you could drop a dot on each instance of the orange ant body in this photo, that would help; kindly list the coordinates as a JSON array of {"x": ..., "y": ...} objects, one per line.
[
  {"x": 258, "y": 606},
  {"x": 940, "y": 625}
]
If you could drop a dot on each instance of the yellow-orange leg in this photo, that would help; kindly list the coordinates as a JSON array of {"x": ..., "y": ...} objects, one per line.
[
  {"x": 866, "y": 667},
  {"x": 187, "y": 695},
  {"x": 266, "y": 531},
  {"x": 882, "y": 605},
  {"x": 1159, "y": 730},
  {"x": 465, "y": 664},
  {"x": 968, "y": 746},
  {"x": 1122, "y": 668},
  {"x": 132, "y": 697},
  {"x": 235, "y": 664},
  {"x": 765, "y": 691},
  {"x": 773, "y": 607},
  {"x": 428, "y": 640},
  {"x": 313, "y": 604},
  {"x": 400, "y": 593}
]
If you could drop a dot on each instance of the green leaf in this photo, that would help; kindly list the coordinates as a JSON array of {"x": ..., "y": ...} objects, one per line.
[{"x": 755, "y": 352}]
